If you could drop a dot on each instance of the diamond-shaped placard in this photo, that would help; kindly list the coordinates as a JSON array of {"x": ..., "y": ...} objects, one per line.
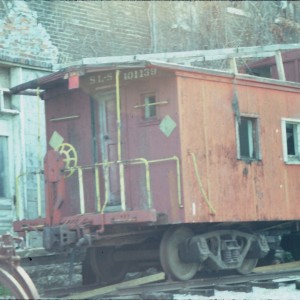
[
  {"x": 56, "y": 140},
  {"x": 167, "y": 125}
]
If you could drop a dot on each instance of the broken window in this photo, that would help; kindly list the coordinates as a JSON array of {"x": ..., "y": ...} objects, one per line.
[
  {"x": 291, "y": 135},
  {"x": 3, "y": 166},
  {"x": 248, "y": 138},
  {"x": 150, "y": 107}
]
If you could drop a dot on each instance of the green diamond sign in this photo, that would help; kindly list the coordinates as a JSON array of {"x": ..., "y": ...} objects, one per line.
[{"x": 167, "y": 125}]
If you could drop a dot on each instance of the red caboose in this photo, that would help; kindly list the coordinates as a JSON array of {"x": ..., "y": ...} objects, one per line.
[{"x": 160, "y": 164}]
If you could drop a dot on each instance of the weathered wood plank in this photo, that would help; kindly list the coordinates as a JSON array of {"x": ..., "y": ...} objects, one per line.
[
  {"x": 115, "y": 287},
  {"x": 245, "y": 288},
  {"x": 279, "y": 65},
  {"x": 286, "y": 266},
  {"x": 197, "y": 55},
  {"x": 266, "y": 284}
]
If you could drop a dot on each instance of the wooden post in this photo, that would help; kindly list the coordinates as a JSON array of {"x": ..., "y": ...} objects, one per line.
[
  {"x": 279, "y": 65},
  {"x": 233, "y": 65}
]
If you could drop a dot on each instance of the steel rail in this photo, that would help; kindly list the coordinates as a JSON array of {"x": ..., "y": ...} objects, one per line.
[
  {"x": 176, "y": 286},
  {"x": 206, "y": 282}
]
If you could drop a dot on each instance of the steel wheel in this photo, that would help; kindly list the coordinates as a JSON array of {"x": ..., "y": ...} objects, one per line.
[
  {"x": 169, "y": 257},
  {"x": 27, "y": 284},
  {"x": 104, "y": 267},
  {"x": 10, "y": 288},
  {"x": 247, "y": 266}
]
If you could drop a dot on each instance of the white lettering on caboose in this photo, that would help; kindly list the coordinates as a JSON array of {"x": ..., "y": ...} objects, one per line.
[{"x": 141, "y": 73}]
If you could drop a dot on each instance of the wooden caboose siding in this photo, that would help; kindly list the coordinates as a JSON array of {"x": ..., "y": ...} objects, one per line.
[
  {"x": 61, "y": 103},
  {"x": 266, "y": 189},
  {"x": 143, "y": 138}
]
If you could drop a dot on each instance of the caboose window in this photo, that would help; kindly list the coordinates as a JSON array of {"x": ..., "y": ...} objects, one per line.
[
  {"x": 291, "y": 139},
  {"x": 150, "y": 107},
  {"x": 248, "y": 139}
]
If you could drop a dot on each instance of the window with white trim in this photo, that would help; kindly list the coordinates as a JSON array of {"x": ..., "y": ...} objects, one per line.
[
  {"x": 248, "y": 147},
  {"x": 290, "y": 129}
]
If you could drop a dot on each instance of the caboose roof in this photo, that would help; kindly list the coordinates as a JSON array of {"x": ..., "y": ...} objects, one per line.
[{"x": 60, "y": 76}]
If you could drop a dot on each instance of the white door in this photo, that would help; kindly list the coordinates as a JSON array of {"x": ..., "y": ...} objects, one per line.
[{"x": 107, "y": 132}]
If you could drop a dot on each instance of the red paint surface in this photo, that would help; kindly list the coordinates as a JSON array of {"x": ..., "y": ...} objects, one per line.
[{"x": 201, "y": 106}]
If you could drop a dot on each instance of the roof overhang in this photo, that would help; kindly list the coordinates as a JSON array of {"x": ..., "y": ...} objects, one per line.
[{"x": 60, "y": 76}]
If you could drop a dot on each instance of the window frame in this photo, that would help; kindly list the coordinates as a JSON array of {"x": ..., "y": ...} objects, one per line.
[
  {"x": 141, "y": 106},
  {"x": 290, "y": 159},
  {"x": 5, "y": 131},
  {"x": 146, "y": 106},
  {"x": 256, "y": 142}
]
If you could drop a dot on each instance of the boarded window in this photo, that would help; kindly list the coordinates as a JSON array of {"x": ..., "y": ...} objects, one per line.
[
  {"x": 3, "y": 167},
  {"x": 150, "y": 107},
  {"x": 248, "y": 139}
]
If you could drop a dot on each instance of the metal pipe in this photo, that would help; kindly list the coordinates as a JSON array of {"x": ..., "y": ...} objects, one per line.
[
  {"x": 118, "y": 110},
  {"x": 200, "y": 184},
  {"x": 178, "y": 181},
  {"x": 106, "y": 185},
  {"x": 148, "y": 182},
  {"x": 178, "y": 175},
  {"x": 121, "y": 166},
  {"x": 122, "y": 186},
  {"x": 39, "y": 199},
  {"x": 64, "y": 118},
  {"x": 81, "y": 191},
  {"x": 98, "y": 199},
  {"x": 151, "y": 104}
]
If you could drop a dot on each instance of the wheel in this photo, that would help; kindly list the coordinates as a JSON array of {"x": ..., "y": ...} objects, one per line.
[
  {"x": 104, "y": 267},
  {"x": 21, "y": 275},
  {"x": 169, "y": 257},
  {"x": 247, "y": 266},
  {"x": 15, "y": 283},
  {"x": 70, "y": 158}
]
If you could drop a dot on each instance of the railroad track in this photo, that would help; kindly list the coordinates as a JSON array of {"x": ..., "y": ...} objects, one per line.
[{"x": 205, "y": 285}]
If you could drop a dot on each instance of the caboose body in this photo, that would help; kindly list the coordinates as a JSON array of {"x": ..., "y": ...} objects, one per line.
[{"x": 188, "y": 163}]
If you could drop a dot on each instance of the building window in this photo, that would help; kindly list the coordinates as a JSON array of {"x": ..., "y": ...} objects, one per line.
[
  {"x": 4, "y": 167},
  {"x": 291, "y": 138},
  {"x": 248, "y": 138},
  {"x": 150, "y": 107}
]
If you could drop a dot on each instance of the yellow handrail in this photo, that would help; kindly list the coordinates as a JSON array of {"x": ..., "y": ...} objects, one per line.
[
  {"x": 106, "y": 184},
  {"x": 98, "y": 197},
  {"x": 121, "y": 166},
  {"x": 178, "y": 170},
  {"x": 140, "y": 160},
  {"x": 81, "y": 191},
  {"x": 212, "y": 210},
  {"x": 148, "y": 183}
]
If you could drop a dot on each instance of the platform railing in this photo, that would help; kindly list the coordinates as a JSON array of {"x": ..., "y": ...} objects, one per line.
[
  {"x": 106, "y": 168},
  {"x": 106, "y": 165}
]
